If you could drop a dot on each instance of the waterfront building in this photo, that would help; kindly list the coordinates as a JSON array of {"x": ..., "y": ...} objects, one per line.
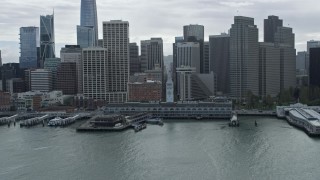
[
  {"x": 41, "y": 80},
  {"x": 52, "y": 64},
  {"x": 116, "y": 40},
  {"x": 47, "y": 38},
  {"x": 134, "y": 58},
  {"x": 67, "y": 78},
  {"x": 145, "y": 91},
  {"x": 86, "y": 36},
  {"x": 29, "y": 47},
  {"x": 314, "y": 75},
  {"x": 151, "y": 53},
  {"x": 244, "y": 55},
  {"x": 95, "y": 73},
  {"x": 195, "y": 33},
  {"x": 5, "y": 101},
  {"x": 271, "y": 27},
  {"x": 88, "y": 23},
  {"x": 73, "y": 54},
  {"x": 219, "y": 60}
]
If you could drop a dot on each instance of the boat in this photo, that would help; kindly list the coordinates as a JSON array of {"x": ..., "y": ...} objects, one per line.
[
  {"x": 55, "y": 121},
  {"x": 234, "y": 121}
]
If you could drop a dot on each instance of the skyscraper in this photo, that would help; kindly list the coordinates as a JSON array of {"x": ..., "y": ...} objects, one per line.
[
  {"x": 270, "y": 28},
  {"x": 67, "y": 78},
  {"x": 29, "y": 45},
  {"x": 47, "y": 39},
  {"x": 134, "y": 58},
  {"x": 219, "y": 60},
  {"x": 206, "y": 57},
  {"x": 73, "y": 53},
  {"x": 311, "y": 44},
  {"x": 88, "y": 29},
  {"x": 116, "y": 40},
  {"x": 314, "y": 67},
  {"x": 284, "y": 35},
  {"x": 151, "y": 53},
  {"x": 41, "y": 80},
  {"x": 0, "y": 59},
  {"x": 244, "y": 55},
  {"x": 188, "y": 55},
  {"x": 195, "y": 33},
  {"x": 52, "y": 65}
]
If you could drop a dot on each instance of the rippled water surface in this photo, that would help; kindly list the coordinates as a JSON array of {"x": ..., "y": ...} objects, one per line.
[{"x": 178, "y": 150}]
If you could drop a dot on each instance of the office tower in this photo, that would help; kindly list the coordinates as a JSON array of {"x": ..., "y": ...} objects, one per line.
[
  {"x": 244, "y": 55},
  {"x": 284, "y": 35},
  {"x": 67, "y": 78},
  {"x": 95, "y": 73},
  {"x": 188, "y": 55},
  {"x": 52, "y": 64},
  {"x": 270, "y": 28},
  {"x": 47, "y": 38},
  {"x": 314, "y": 75},
  {"x": 311, "y": 44},
  {"x": 73, "y": 53},
  {"x": 9, "y": 71},
  {"x": 89, "y": 19},
  {"x": 29, "y": 45},
  {"x": 86, "y": 36},
  {"x": 116, "y": 40},
  {"x": 15, "y": 85},
  {"x": 301, "y": 62},
  {"x": 206, "y": 58},
  {"x": 174, "y": 65},
  {"x": 287, "y": 67},
  {"x": 0, "y": 59},
  {"x": 195, "y": 33},
  {"x": 219, "y": 60},
  {"x": 269, "y": 70},
  {"x": 134, "y": 58},
  {"x": 41, "y": 80},
  {"x": 151, "y": 53}
]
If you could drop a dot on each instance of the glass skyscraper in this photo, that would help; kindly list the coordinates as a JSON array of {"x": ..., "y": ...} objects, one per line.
[
  {"x": 29, "y": 43},
  {"x": 47, "y": 48},
  {"x": 87, "y": 32}
]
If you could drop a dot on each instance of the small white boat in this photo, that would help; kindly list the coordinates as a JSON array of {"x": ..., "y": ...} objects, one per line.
[
  {"x": 55, "y": 121},
  {"x": 234, "y": 121}
]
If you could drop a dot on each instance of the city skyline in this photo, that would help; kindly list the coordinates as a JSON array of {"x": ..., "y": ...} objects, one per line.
[{"x": 166, "y": 20}]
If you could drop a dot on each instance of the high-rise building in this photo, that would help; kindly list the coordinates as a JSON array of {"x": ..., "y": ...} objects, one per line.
[
  {"x": 9, "y": 71},
  {"x": 269, "y": 70},
  {"x": 41, "y": 80},
  {"x": 174, "y": 65},
  {"x": 244, "y": 56},
  {"x": 284, "y": 35},
  {"x": 195, "y": 33},
  {"x": 67, "y": 78},
  {"x": 219, "y": 60},
  {"x": 86, "y": 36},
  {"x": 301, "y": 62},
  {"x": 271, "y": 27},
  {"x": 116, "y": 40},
  {"x": 73, "y": 53},
  {"x": 151, "y": 53},
  {"x": 52, "y": 64},
  {"x": 314, "y": 75},
  {"x": 29, "y": 47},
  {"x": 0, "y": 59},
  {"x": 95, "y": 73},
  {"x": 206, "y": 57},
  {"x": 47, "y": 38},
  {"x": 88, "y": 19},
  {"x": 287, "y": 67},
  {"x": 134, "y": 58},
  {"x": 188, "y": 54},
  {"x": 311, "y": 44}
]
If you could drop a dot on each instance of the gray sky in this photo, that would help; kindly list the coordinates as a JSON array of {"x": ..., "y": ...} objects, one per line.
[{"x": 155, "y": 18}]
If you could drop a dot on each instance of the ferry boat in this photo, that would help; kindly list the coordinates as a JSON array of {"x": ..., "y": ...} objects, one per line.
[
  {"x": 234, "y": 121},
  {"x": 306, "y": 119},
  {"x": 157, "y": 121},
  {"x": 55, "y": 121}
]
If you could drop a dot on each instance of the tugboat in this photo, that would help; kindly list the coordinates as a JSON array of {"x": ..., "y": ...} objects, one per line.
[{"x": 234, "y": 121}]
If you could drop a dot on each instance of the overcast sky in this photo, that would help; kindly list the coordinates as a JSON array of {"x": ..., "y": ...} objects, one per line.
[{"x": 155, "y": 18}]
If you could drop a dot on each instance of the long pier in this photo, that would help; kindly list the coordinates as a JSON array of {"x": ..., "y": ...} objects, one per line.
[
  {"x": 34, "y": 121},
  {"x": 8, "y": 120}
]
